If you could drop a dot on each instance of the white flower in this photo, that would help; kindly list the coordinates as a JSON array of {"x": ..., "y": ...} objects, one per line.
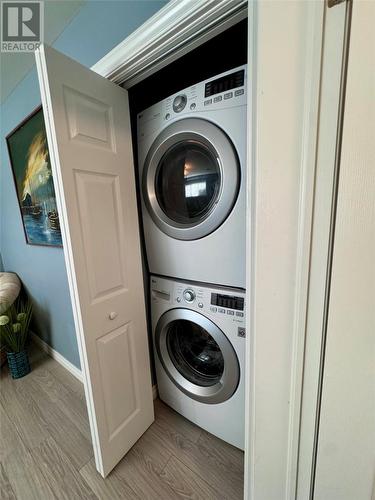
[
  {"x": 4, "y": 320},
  {"x": 21, "y": 316},
  {"x": 16, "y": 327}
]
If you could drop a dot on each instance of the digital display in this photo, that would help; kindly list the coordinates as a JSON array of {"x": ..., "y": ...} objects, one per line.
[
  {"x": 224, "y": 83},
  {"x": 227, "y": 301}
]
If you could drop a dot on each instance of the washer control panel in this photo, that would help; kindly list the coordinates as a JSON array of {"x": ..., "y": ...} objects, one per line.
[{"x": 223, "y": 303}]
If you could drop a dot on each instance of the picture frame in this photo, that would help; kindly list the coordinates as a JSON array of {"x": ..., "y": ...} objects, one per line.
[{"x": 33, "y": 180}]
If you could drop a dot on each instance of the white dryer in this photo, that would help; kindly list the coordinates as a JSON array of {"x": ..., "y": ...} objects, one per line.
[
  {"x": 192, "y": 165},
  {"x": 199, "y": 345}
]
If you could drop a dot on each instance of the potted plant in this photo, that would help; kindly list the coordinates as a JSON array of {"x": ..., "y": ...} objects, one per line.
[{"x": 14, "y": 332}]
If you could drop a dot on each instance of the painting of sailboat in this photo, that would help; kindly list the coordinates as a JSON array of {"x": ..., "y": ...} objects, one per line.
[{"x": 29, "y": 157}]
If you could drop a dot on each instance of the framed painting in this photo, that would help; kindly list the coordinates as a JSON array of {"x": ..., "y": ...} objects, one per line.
[{"x": 29, "y": 158}]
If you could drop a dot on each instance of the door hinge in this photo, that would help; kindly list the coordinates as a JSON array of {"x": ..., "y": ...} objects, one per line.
[{"x": 333, "y": 3}]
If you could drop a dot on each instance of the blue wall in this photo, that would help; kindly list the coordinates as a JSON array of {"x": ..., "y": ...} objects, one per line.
[{"x": 97, "y": 28}]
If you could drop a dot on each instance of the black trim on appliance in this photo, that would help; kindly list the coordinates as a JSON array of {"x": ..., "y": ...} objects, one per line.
[
  {"x": 229, "y": 301},
  {"x": 227, "y": 82}
]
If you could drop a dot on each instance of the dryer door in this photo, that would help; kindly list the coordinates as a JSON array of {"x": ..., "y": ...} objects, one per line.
[
  {"x": 197, "y": 356},
  {"x": 191, "y": 179}
]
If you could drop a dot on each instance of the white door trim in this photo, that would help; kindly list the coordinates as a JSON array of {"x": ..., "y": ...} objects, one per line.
[
  {"x": 174, "y": 30},
  {"x": 250, "y": 445},
  {"x": 329, "y": 102},
  {"x": 306, "y": 203},
  {"x": 261, "y": 481}
]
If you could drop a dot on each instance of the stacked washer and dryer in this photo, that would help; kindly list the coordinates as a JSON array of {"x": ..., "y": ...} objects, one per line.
[{"x": 192, "y": 160}]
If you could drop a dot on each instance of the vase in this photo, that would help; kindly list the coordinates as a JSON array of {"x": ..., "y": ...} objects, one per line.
[{"x": 18, "y": 363}]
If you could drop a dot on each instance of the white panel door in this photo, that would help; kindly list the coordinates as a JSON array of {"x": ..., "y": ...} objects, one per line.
[
  {"x": 89, "y": 138},
  {"x": 345, "y": 458}
]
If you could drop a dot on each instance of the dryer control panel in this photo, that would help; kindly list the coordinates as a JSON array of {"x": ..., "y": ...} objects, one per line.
[
  {"x": 223, "y": 303},
  {"x": 225, "y": 90}
]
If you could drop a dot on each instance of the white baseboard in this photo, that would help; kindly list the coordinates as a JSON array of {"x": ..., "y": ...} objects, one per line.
[{"x": 76, "y": 372}]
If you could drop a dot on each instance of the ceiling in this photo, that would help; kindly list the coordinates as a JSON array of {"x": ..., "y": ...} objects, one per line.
[{"x": 15, "y": 66}]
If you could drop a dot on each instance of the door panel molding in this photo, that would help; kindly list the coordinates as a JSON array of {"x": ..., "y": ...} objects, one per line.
[
  {"x": 89, "y": 119},
  {"x": 107, "y": 186},
  {"x": 118, "y": 344}
]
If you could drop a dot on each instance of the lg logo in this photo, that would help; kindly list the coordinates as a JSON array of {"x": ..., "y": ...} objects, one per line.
[{"x": 21, "y": 26}]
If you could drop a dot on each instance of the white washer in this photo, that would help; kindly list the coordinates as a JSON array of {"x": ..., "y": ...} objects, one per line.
[
  {"x": 199, "y": 345},
  {"x": 192, "y": 162}
]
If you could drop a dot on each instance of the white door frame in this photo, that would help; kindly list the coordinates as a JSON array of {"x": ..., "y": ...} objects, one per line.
[
  {"x": 285, "y": 98},
  {"x": 331, "y": 104},
  {"x": 176, "y": 29}
]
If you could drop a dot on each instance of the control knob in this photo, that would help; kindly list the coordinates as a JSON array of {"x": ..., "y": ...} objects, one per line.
[
  {"x": 179, "y": 103},
  {"x": 189, "y": 295}
]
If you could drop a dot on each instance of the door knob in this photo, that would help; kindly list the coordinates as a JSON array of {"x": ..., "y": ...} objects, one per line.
[{"x": 112, "y": 315}]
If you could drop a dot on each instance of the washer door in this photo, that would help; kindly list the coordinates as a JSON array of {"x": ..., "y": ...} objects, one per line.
[
  {"x": 191, "y": 179},
  {"x": 197, "y": 356}
]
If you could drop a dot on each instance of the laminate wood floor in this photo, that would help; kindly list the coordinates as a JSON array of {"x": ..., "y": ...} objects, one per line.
[{"x": 46, "y": 453}]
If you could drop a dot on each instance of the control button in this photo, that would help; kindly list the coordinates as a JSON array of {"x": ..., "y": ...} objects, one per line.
[
  {"x": 179, "y": 103},
  {"x": 239, "y": 314},
  {"x": 193, "y": 105},
  {"x": 231, "y": 313},
  {"x": 167, "y": 116},
  {"x": 241, "y": 332},
  {"x": 239, "y": 92},
  {"x": 228, "y": 95},
  {"x": 221, "y": 310},
  {"x": 189, "y": 295},
  {"x": 209, "y": 101},
  {"x": 218, "y": 98},
  {"x": 200, "y": 305},
  {"x": 213, "y": 309},
  {"x": 178, "y": 299}
]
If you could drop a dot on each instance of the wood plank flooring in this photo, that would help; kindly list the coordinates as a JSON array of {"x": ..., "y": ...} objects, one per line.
[{"x": 46, "y": 453}]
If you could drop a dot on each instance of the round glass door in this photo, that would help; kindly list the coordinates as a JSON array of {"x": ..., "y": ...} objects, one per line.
[
  {"x": 197, "y": 356},
  {"x": 187, "y": 182},
  {"x": 191, "y": 179},
  {"x": 194, "y": 353}
]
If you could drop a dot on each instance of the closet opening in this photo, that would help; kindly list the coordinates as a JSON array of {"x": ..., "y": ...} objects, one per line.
[{"x": 189, "y": 144}]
